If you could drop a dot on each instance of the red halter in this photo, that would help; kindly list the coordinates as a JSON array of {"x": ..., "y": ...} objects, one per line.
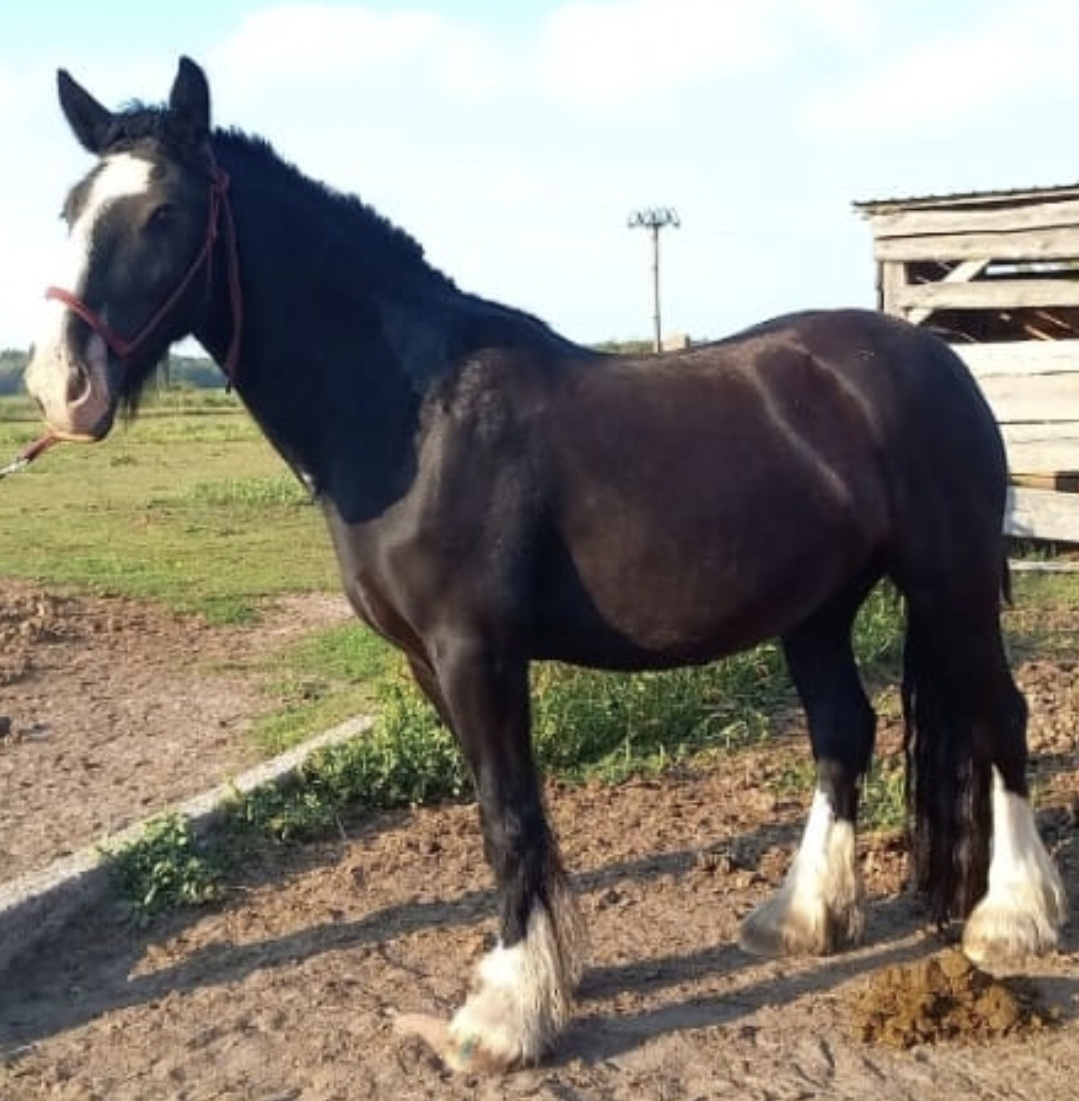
[{"x": 123, "y": 348}]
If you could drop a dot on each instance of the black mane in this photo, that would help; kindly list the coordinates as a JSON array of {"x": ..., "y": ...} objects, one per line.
[
  {"x": 346, "y": 216},
  {"x": 430, "y": 322}
]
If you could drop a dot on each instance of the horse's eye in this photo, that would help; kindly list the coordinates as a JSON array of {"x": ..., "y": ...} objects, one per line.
[{"x": 161, "y": 217}]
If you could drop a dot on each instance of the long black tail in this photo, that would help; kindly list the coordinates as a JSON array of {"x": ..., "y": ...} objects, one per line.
[{"x": 948, "y": 784}]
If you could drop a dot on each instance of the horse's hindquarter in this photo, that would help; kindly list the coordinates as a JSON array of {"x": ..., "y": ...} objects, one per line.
[{"x": 701, "y": 503}]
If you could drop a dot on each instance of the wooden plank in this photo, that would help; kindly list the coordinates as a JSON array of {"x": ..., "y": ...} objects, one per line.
[
  {"x": 1018, "y": 399},
  {"x": 969, "y": 200},
  {"x": 892, "y": 280},
  {"x": 1040, "y": 565},
  {"x": 1064, "y": 481},
  {"x": 1064, "y": 433},
  {"x": 961, "y": 273},
  {"x": 988, "y": 294},
  {"x": 1059, "y": 463},
  {"x": 1037, "y": 449},
  {"x": 1042, "y": 514},
  {"x": 1020, "y": 357},
  {"x": 1003, "y": 216},
  {"x": 1061, "y": 243}
]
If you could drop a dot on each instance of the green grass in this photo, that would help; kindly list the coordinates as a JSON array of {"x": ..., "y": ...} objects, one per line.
[
  {"x": 320, "y": 681},
  {"x": 1044, "y": 618},
  {"x": 189, "y": 509}
]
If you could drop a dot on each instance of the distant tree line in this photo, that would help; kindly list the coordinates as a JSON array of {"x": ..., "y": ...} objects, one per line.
[
  {"x": 12, "y": 365},
  {"x": 196, "y": 371},
  {"x": 178, "y": 372}
]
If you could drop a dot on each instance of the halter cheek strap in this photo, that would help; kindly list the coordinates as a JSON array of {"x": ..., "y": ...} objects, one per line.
[{"x": 220, "y": 211}]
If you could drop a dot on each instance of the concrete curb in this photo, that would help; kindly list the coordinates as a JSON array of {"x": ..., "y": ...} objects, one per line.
[{"x": 38, "y": 905}]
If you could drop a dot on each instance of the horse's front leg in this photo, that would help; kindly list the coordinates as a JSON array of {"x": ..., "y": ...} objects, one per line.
[
  {"x": 818, "y": 910},
  {"x": 523, "y": 990}
]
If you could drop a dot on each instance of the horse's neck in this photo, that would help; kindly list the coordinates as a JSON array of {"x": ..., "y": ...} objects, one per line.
[
  {"x": 315, "y": 367},
  {"x": 344, "y": 328}
]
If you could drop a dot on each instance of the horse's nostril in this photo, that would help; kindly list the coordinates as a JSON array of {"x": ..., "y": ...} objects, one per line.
[{"x": 78, "y": 382}]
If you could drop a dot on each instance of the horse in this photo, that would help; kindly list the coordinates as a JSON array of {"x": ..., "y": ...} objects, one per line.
[{"x": 497, "y": 494}]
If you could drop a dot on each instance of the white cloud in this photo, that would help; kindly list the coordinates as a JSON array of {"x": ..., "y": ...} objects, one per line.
[
  {"x": 852, "y": 24},
  {"x": 317, "y": 42},
  {"x": 624, "y": 52},
  {"x": 1017, "y": 51}
]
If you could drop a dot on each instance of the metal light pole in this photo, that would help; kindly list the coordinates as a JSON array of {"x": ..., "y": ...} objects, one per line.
[{"x": 654, "y": 219}]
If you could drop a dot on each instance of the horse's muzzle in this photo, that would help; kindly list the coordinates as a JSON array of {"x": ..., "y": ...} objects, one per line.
[{"x": 75, "y": 396}]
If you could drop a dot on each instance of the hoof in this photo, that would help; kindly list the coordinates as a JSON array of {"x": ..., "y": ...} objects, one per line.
[
  {"x": 521, "y": 1000},
  {"x": 782, "y": 927},
  {"x": 1003, "y": 931},
  {"x": 433, "y": 1031},
  {"x": 1025, "y": 907},
  {"x": 462, "y": 1055}
]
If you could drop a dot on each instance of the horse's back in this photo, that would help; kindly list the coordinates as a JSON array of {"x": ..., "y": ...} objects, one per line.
[
  {"x": 708, "y": 498},
  {"x": 905, "y": 394}
]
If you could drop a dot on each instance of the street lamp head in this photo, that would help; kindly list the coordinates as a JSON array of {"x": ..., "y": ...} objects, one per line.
[{"x": 653, "y": 217}]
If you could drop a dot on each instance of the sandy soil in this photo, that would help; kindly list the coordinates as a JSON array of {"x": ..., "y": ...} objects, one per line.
[
  {"x": 111, "y": 710},
  {"x": 288, "y": 989}
]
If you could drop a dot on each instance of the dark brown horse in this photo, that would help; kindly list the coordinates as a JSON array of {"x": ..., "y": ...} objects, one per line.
[{"x": 497, "y": 494}]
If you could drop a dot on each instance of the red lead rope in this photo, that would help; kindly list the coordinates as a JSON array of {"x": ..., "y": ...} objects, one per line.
[{"x": 29, "y": 454}]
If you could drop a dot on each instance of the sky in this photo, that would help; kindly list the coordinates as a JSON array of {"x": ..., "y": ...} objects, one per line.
[{"x": 513, "y": 138}]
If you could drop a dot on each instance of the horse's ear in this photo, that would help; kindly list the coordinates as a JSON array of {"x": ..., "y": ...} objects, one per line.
[
  {"x": 189, "y": 101},
  {"x": 89, "y": 121}
]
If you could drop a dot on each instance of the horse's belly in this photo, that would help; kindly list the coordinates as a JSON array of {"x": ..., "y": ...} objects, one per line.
[{"x": 634, "y": 608}]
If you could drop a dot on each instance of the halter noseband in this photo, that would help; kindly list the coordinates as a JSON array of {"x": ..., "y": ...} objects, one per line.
[{"x": 124, "y": 348}]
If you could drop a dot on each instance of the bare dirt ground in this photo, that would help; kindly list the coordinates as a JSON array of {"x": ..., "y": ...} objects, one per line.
[
  {"x": 287, "y": 991},
  {"x": 111, "y": 710}
]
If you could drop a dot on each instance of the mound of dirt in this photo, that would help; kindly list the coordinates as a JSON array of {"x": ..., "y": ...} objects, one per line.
[
  {"x": 944, "y": 997},
  {"x": 27, "y": 619}
]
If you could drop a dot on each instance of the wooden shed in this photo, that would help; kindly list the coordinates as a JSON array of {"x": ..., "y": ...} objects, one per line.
[{"x": 996, "y": 273}]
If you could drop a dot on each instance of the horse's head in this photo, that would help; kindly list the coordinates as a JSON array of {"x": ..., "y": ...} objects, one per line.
[{"x": 141, "y": 225}]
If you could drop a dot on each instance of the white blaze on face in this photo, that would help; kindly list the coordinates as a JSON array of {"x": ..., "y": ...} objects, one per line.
[{"x": 120, "y": 176}]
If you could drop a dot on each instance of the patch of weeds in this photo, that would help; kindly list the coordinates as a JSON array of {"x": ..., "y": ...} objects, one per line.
[
  {"x": 405, "y": 759},
  {"x": 884, "y": 796},
  {"x": 228, "y": 610},
  {"x": 796, "y": 776},
  {"x": 612, "y": 726},
  {"x": 291, "y": 813},
  {"x": 883, "y": 803},
  {"x": 253, "y": 492},
  {"x": 167, "y": 868},
  {"x": 878, "y": 636}
]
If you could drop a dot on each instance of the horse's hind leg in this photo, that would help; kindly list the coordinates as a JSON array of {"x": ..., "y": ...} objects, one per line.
[
  {"x": 1024, "y": 905},
  {"x": 975, "y": 843},
  {"x": 818, "y": 909}
]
